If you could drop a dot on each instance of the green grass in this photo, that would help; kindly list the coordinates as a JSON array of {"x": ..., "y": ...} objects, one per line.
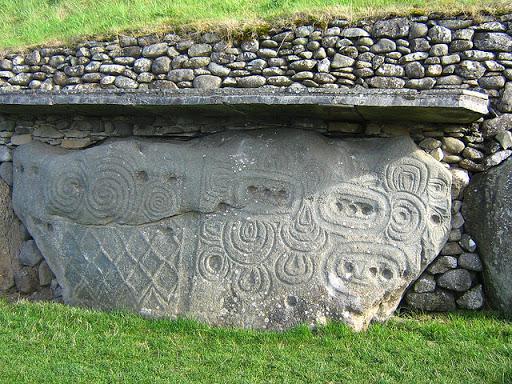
[
  {"x": 32, "y": 22},
  {"x": 51, "y": 343}
]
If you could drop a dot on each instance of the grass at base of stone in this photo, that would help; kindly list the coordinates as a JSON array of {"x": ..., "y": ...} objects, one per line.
[
  {"x": 34, "y": 22},
  {"x": 44, "y": 342}
]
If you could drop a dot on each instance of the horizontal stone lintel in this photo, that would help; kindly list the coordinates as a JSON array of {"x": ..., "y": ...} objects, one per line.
[{"x": 355, "y": 105}]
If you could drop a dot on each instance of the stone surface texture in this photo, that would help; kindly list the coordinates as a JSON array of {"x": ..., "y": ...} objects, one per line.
[
  {"x": 260, "y": 229},
  {"x": 488, "y": 213},
  {"x": 10, "y": 239}
]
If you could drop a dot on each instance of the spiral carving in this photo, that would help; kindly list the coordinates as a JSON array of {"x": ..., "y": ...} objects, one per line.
[
  {"x": 248, "y": 241},
  {"x": 112, "y": 191},
  {"x": 65, "y": 191},
  {"x": 407, "y": 217},
  {"x": 160, "y": 200},
  {"x": 213, "y": 265}
]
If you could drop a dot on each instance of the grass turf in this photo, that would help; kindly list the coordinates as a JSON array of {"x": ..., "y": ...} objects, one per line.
[
  {"x": 32, "y": 22},
  {"x": 42, "y": 342}
]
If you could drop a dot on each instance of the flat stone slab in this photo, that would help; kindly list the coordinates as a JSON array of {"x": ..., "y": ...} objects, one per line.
[
  {"x": 258, "y": 229},
  {"x": 360, "y": 104}
]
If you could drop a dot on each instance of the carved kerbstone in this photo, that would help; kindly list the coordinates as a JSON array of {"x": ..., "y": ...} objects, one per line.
[{"x": 261, "y": 229}]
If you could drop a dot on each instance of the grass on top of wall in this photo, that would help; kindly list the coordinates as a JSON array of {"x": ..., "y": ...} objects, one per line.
[
  {"x": 25, "y": 23},
  {"x": 52, "y": 343}
]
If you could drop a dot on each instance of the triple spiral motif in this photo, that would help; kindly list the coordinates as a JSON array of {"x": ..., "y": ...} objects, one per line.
[{"x": 107, "y": 190}]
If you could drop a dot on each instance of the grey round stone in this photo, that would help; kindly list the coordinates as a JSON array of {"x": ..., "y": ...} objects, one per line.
[
  {"x": 470, "y": 261},
  {"x": 354, "y": 33},
  {"x": 341, "y": 61},
  {"x": 437, "y": 301},
  {"x": 385, "y": 82},
  {"x": 6, "y": 172},
  {"x": 162, "y": 84},
  {"x": 161, "y": 65},
  {"x": 394, "y": 28},
  {"x": 420, "y": 45},
  {"x": 505, "y": 103},
  {"x": 30, "y": 254},
  {"x": 451, "y": 249},
  {"x": 145, "y": 77},
  {"x": 5, "y": 153},
  {"x": 467, "y": 243},
  {"x": 303, "y": 65},
  {"x": 112, "y": 69},
  {"x": 155, "y": 50},
  {"x": 250, "y": 45},
  {"x": 439, "y": 50},
  {"x": 453, "y": 145},
  {"x": 439, "y": 34},
  {"x": 472, "y": 299},
  {"x": 45, "y": 274},
  {"x": 414, "y": 70},
  {"x": 426, "y": 283},
  {"x": 390, "y": 70},
  {"x": 443, "y": 264},
  {"x": 125, "y": 82},
  {"x": 142, "y": 65},
  {"x": 491, "y": 127},
  {"x": 383, "y": 46},
  {"x": 251, "y": 81},
  {"x": 197, "y": 50},
  {"x": 207, "y": 82},
  {"x": 177, "y": 75},
  {"x": 280, "y": 81},
  {"x": 493, "y": 41},
  {"x": 418, "y": 30},
  {"x": 461, "y": 45},
  {"x": 473, "y": 154},
  {"x": 458, "y": 280},
  {"x": 26, "y": 280},
  {"x": 470, "y": 69}
]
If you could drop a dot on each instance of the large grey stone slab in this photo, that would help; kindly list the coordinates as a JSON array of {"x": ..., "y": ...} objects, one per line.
[
  {"x": 262, "y": 229},
  {"x": 357, "y": 104},
  {"x": 487, "y": 209}
]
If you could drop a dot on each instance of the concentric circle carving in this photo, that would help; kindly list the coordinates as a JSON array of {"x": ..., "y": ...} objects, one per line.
[
  {"x": 213, "y": 264},
  {"x": 407, "y": 175},
  {"x": 407, "y": 220},
  {"x": 248, "y": 242}
]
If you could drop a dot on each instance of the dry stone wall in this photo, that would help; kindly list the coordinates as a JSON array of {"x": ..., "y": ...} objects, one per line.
[{"x": 417, "y": 52}]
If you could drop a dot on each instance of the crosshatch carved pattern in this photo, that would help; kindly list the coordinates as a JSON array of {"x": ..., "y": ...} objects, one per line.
[
  {"x": 255, "y": 218},
  {"x": 142, "y": 263}
]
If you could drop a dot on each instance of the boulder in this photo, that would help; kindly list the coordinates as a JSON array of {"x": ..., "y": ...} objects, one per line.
[
  {"x": 437, "y": 301},
  {"x": 493, "y": 41},
  {"x": 488, "y": 214},
  {"x": 258, "y": 229}
]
